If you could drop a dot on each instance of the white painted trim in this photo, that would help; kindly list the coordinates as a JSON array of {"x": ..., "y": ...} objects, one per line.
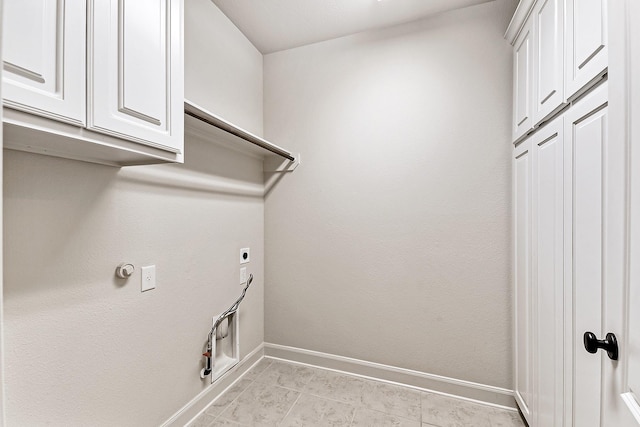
[
  {"x": 199, "y": 403},
  {"x": 519, "y": 18},
  {"x": 632, "y": 404},
  {"x": 192, "y": 180},
  {"x": 483, "y": 393},
  {"x": 2, "y": 388}
]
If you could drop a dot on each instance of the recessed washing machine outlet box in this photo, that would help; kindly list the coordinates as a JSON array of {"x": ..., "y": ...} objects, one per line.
[
  {"x": 225, "y": 351},
  {"x": 245, "y": 255}
]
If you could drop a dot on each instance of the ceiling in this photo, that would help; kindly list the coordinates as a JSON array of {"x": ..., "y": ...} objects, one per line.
[{"x": 273, "y": 25}]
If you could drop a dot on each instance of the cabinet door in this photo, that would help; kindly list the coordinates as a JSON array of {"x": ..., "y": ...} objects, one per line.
[
  {"x": 548, "y": 58},
  {"x": 548, "y": 271},
  {"x": 136, "y": 71},
  {"x": 586, "y": 44},
  {"x": 522, "y": 83},
  {"x": 523, "y": 293},
  {"x": 44, "y": 58},
  {"x": 586, "y": 199}
]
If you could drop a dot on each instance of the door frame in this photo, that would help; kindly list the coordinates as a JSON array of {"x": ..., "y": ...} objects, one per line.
[
  {"x": 620, "y": 408},
  {"x": 2, "y": 390}
]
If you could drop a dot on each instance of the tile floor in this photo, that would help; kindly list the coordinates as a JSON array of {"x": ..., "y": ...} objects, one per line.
[{"x": 276, "y": 393}]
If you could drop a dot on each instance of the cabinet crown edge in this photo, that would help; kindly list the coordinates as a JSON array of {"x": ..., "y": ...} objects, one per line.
[{"x": 518, "y": 20}]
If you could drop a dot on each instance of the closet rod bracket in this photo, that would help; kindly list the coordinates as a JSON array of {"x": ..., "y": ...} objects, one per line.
[{"x": 273, "y": 164}]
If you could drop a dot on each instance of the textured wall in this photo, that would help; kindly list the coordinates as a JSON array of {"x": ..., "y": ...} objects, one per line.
[
  {"x": 86, "y": 349},
  {"x": 391, "y": 243}
]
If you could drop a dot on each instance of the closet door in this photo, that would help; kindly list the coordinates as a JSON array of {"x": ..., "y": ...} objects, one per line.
[
  {"x": 586, "y": 44},
  {"x": 548, "y": 58},
  {"x": 586, "y": 237},
  {"x": 548, "y": 269},
  {"x": 523, "y": 295},
  {"x": 136, "y": 71},
  {"x": 44, "y": 58},
  {"x": 522, "y": 83}
]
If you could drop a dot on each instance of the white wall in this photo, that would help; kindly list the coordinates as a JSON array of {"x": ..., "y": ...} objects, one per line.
[
  {"x": 85, "y": 348},
  {"x": 391, "y": 242}
]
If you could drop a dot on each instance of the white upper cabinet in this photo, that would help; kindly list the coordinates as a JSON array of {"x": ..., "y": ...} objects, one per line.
[
  {"x": 95, "y": 80},
  {"x": 135, "y": 71},
  {"x": 586, "y": 48},
  {"x": 559, "y": 53},
  {"x": 548, "y": 59},
  {"x": 522, "y": 83},
  {"x": 44, "y": 58}
]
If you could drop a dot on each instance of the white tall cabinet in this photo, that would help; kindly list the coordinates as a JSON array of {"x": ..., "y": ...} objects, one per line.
[
  {"x": 523, "y": 292},
  {"x": 548, "y": 55},
  {"x": 547, "y": 273},
  {"x": 538, "y": 173},
  {"x": 585, "y": 254},
  {"x": 560, "y": 198},
  {"x": 522, "y": 82},
  {"x": 587, "y": 48},
  {"x": 560, "y": 51}
]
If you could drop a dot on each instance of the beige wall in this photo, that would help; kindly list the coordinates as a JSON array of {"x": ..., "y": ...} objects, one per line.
[
  {"x": 391, "y": 243},
  {"x": 224, "y": 70},
  {"x": 86, "y": 349}
]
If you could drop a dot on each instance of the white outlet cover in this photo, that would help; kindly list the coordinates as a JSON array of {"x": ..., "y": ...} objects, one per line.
[
  {"x": 243, "y": 259},
  {"x": 148, "y": 280},
  {"x": 243, "y": 275}
]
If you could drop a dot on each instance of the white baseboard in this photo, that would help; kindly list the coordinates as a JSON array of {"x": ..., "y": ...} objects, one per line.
[
  {"x": 482, "y": 393},
  {"x": 206, "y": 396},
  {"x": 486, "y": 394}
]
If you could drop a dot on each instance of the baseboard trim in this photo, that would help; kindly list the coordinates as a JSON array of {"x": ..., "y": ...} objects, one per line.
[
  {"x": 206, "y": 396},
  {"x": 486, "y": 394}
]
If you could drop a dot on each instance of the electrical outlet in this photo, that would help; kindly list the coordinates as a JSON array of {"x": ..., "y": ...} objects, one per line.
[
  {"x": 148, "y": 278},
  {"x": 243, "y": 275},
  {"x": 245, "y": 255}
]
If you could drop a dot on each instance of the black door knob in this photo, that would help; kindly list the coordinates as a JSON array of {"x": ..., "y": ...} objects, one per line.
[{"x": 609, "y": 344}]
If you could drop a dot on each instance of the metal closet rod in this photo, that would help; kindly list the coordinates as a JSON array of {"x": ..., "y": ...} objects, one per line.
[{"x": 213, "y": 120}]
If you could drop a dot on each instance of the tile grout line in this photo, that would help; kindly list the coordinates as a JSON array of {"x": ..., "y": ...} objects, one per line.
[
  {"x": 290, "y": 409},
  {"x": 300, "y": 392},
  {"x": 324, "y": 412},
  {"x": 238, "y": 396},
  {"x": 353, "y": 417}
]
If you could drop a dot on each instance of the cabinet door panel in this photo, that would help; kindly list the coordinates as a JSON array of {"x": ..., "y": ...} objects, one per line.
[
  {"x": 522, "y": 73},
  {"x": 548, "y": 96},
  {"x": 144, "y": 86},
  {"x": 44, "y": 58},
  {"x": 586, "y": 46},
  {"x": 547, "y": 147},
  {"x": 136, "y": 73},
  {"x": 522, "y": 171},
  {"x": 586, "y": 140}
]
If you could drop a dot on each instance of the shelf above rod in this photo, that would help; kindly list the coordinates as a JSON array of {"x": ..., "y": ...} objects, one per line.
[{"x": 208, "y": 117}]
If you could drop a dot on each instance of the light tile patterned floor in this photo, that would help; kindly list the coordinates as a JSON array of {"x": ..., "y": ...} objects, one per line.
[{"x": 275, "y": 393}]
